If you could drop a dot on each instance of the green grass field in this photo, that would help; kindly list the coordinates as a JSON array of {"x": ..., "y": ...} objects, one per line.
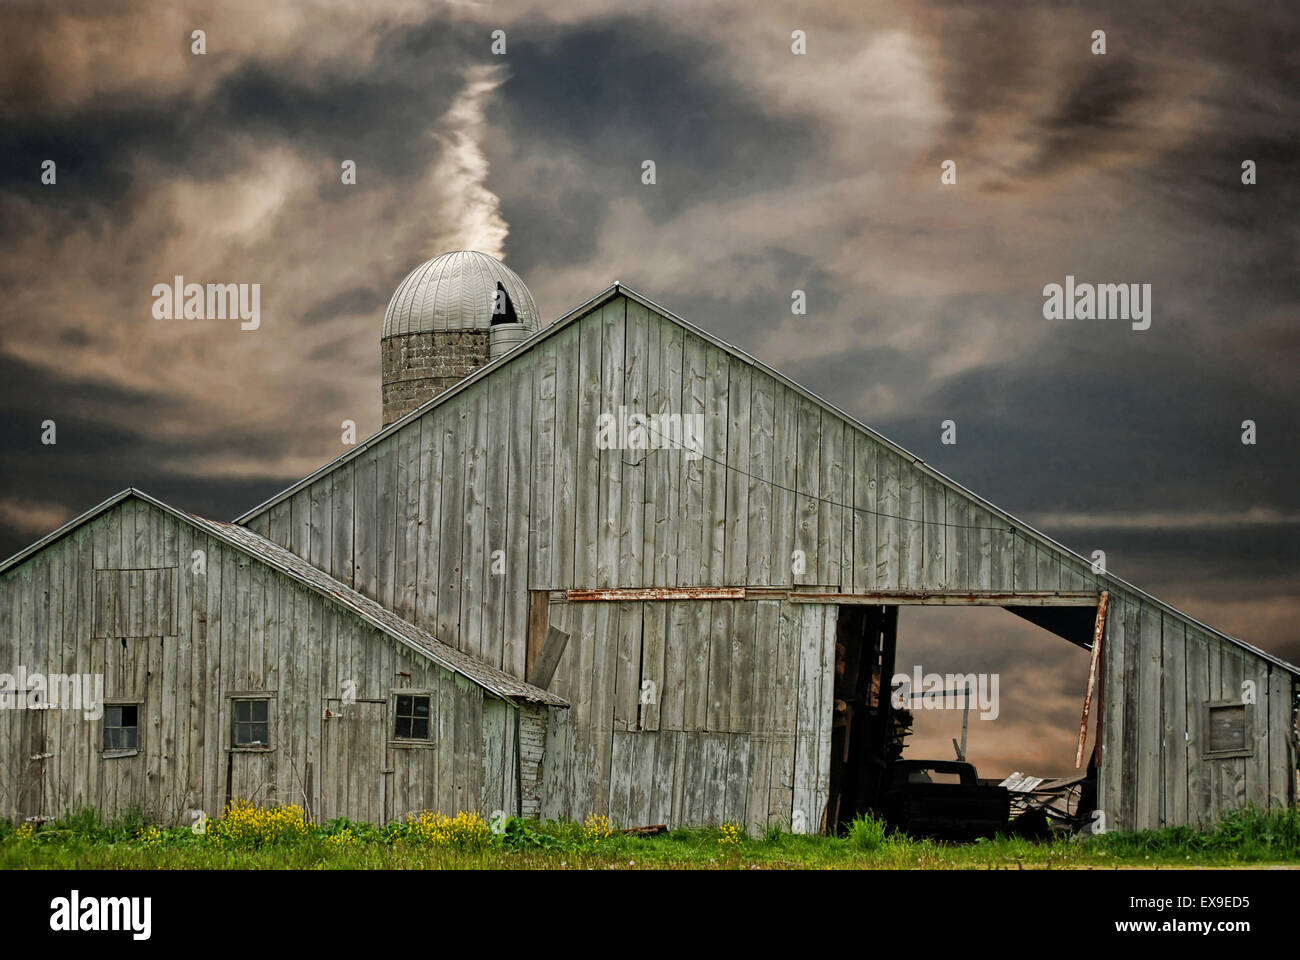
[{"x": 247, "y": 838}]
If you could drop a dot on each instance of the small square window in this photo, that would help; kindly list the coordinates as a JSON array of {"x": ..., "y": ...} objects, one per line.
[
  {"x": 1228, "y": 728},
  {"x": 252, "y": 728},
  {"x": 412, "y": 715},
  {"x": 121, "y": 727}
]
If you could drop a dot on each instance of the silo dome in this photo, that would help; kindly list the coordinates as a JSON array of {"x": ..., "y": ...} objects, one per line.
[
  {"x": 450, "y": 316},
  {"x": 456, "y": 291}
]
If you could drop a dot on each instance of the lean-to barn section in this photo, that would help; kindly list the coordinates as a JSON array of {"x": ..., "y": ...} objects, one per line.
[{"x": 190, "y": 623}]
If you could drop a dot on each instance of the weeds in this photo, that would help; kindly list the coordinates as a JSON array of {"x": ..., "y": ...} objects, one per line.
[
  {"x": 465, "y": 830},
  {"x": 249, "y": 837},
  {"x": 731, "y": 834},
  {"x": 248, "y": 825},
  {"x": 596, "y": 827},
  {"x": 867, "y": 832},
  {"x": 1240, "y": 835}
]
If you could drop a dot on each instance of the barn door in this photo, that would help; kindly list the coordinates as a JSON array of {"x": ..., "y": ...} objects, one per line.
[
  {"x": 34, "y": 764},
  {"x": 354, "y": 761},
  {"x": 251, "y": 777}
]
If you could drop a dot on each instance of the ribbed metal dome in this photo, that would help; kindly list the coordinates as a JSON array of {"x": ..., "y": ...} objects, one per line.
[{"x": 455, "y": 291}]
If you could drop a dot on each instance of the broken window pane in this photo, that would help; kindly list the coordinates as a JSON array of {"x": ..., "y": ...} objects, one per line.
[
  {"x": 1227, "y": 728},
  {"x": 120, "y": 727},
  {"x": 412, "y": 717},
  {"x": 252, "y": 728}
]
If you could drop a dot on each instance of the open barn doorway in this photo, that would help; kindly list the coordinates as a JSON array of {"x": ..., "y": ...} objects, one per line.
[
  {"x": 866, "y": 733},
  {"x": 902, "y": 674}
]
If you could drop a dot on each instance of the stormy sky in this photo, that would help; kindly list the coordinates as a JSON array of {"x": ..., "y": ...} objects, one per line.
[{"x": 775, "y": 172}]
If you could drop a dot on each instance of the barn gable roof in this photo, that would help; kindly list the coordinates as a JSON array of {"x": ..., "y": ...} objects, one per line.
[
  {"x": 617, "y": 289},
  {"x": 483, "y": 674}
]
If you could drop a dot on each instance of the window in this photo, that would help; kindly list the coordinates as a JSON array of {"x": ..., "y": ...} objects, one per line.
[
  {"x": 412, "y": 717},
  {"x": 934, "y": 776},
  {"x": 1228, "y": 723},
  {"x": 121, "y": 728},
  {"x": 252, "y": 728}
]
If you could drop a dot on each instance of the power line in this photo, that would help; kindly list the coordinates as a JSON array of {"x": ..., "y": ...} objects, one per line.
[{"x": 802, "y": 493}]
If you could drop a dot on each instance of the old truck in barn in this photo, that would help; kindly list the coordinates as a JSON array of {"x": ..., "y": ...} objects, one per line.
[{"x": 943, "y": 799}]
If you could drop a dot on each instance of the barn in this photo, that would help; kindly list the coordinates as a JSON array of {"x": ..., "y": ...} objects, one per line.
[
  {"x": 232, "y": 668},
  {"x": 612, "y": 564}
]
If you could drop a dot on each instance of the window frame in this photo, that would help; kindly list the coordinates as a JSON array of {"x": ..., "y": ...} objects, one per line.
[
  {"x": 117, "y": 753},
  {"x": 1247, "y": 725},
  {"x": 244, "y": 696},
  {"x": 416, "y": 742}
]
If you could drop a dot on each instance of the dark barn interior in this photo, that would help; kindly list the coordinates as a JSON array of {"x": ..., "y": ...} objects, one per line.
[{"x": 871, "y": 727}]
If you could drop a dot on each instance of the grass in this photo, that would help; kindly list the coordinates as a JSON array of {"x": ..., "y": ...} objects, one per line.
[{"x": 281, "y": 838}]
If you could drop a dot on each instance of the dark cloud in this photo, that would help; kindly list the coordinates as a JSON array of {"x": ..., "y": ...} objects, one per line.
[
  {"x": 1112, "y": 426},
  {"x": 92, "y": 459},
  {"x": 380, "y": 121},
  {"x": 740, "y": 315},
  {"x": 353, "y": 301},
  {"x": 92, "y": 151},
  {"x": 555, "y": 221},
  {"x": 380, "y": 118},
  {"x": 1093, "y": 108},
  {"x": 607, "y": 96}
]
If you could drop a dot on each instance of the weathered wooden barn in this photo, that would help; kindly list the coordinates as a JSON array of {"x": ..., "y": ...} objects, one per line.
[
  {"x": 671, "y": 577},
  {"x": 232, "y": 668}
]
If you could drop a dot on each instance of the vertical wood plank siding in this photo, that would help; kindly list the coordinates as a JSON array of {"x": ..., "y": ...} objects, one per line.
[
  {"x": 766, "y": 661},
  {"x": 201, "y": 634},
  {"x": 1160, "y": 675}
]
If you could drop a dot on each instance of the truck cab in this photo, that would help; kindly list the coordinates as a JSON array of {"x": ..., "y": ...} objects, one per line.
[{"x": 943, "y": 799}]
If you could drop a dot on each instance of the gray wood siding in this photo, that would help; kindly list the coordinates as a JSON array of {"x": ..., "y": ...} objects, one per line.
[
  {"x": 779, "y": 474},
  {"x": 738, "y": 728},
  {"x": 1160, "y": 675},
  {"x": 241, "y": 627},
  {"x": 533, "y": 757}
]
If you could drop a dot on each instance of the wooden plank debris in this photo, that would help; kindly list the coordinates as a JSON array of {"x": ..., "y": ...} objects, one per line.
[{"x": 1097, "y": 632}]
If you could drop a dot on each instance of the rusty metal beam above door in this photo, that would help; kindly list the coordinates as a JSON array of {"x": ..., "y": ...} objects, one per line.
[
  {"x": 1031, "y": 598},
  {"x": 657, "y": 593}
]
